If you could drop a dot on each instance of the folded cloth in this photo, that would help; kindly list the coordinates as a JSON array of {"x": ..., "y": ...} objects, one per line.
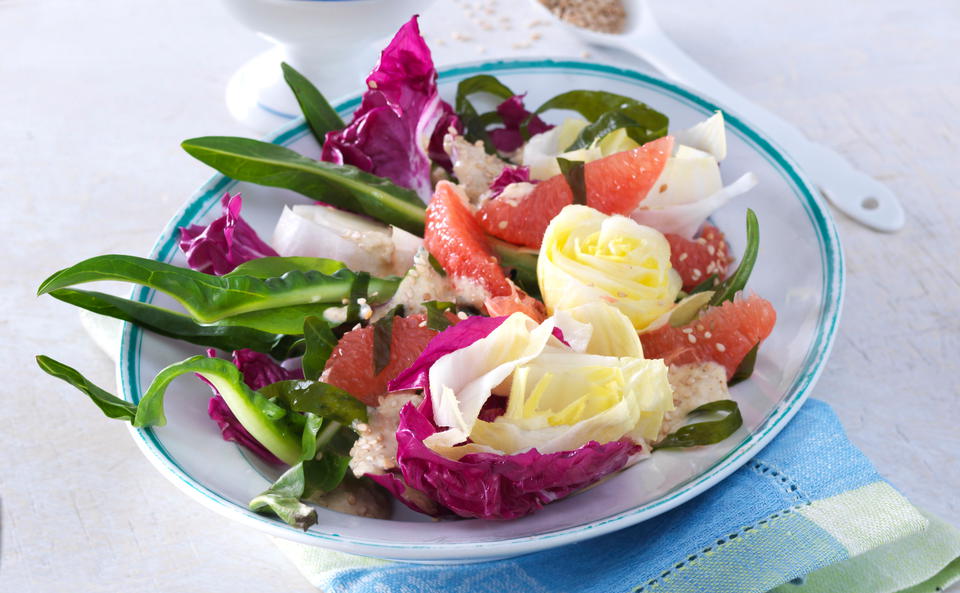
[{"x": 808, "y": 514}]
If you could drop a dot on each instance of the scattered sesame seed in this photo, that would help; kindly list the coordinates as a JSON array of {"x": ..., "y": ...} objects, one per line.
[
  {"x": 720, "y": 347},
  {"x": 585, "y": 54},
  {"x": 683, "y": 256},
  {"x": 697, "y": 273},
  {"x": 461, "y": 315},
  {"x": 663, "y": 188},
  {"x": 688, "y": 330},
  {"x": 372, "y": 84},
  {"x": 361, "y": 301},
  {"x": 502, "y": 224},
  {"x": 707, "y": 335},
  {"x": 711, "y": 249},
  {"x": 692, "y": 338}
]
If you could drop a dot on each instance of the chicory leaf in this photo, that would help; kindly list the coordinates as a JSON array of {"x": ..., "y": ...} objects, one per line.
[
  {"x": 343, "y": 186},
  {"x": 176, "y": 325},
  {"x": 111, "y": 405},
  {"x": 320, "y": 116},
  {"x": 268, "y": 423},
  {"x": 272, "y": 267},
  {"x": 518, "y": 125},
  {"x": 707, "y": 432},
  {"x": 276, "y": 305},
  {"x": 738, "y": 280}
]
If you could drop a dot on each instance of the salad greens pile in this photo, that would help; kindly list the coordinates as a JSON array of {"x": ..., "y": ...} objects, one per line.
[{"x": 241, "y": 297}]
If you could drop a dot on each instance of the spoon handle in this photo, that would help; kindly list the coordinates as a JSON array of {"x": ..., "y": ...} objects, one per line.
[{"x": 854, "y": 193}]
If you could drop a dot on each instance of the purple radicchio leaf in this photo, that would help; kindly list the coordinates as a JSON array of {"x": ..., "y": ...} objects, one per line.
[
  {"x": 223, "y": 244},
  {"x": 509, "y": 175},
  {"x": 492, "y": 486},
  {"x": 401, "y": 120},
  {"x": 509, "y": 138},
  {"x": 258, "y": 370}
]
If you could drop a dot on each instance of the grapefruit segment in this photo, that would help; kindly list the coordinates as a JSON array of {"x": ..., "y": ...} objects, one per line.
[
  {"x": 516, "y": 302},
  {"x": 616, "y": 184},
  {"x": 722, "y": 334},
  {"x": 454, "y": 237},
  {"x": 350, "y": 366},
  {"x": 698, "y": 259}
]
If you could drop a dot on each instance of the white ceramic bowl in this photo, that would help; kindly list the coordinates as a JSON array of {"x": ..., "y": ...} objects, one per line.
[
  {"x": 800, "y": 270},
  {"x": 331, "y": 42}
]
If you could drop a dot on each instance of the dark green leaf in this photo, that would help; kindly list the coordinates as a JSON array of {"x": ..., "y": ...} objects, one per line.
[
  {"x": 176, "y": 325},
  {"x": 319, "y": 343},
  {"x": 343, "y": 186},
  {"x": 738, "y": 280},
  {"x": 649, "y": 124},
  {"x": 382, "y": 338},
  {"x": 707, "y": 432},
  {"x": 573, "y": 173},
  {"x": 265, "y": 421},
  {"x": 276, "y": 305},
  {"x": 745, "y": 368},
  {"x": 111, "y": 405},
  {"x": 326, "y": 401},
  {"x": 320, "y": 116},
  {"x": 436, "y": 317}
]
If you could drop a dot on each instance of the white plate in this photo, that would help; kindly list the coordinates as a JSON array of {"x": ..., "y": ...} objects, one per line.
[{"x": 800, "y": 270}]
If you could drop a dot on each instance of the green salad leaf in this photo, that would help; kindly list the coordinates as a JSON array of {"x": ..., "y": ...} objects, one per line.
[
  {"x": 738, "y": 280},
  {"x": 745, "y": 368},
  {"x": 276, "y": 305},
  {"x": 320, "y": 116},
  {"x": 707, "y": 432},
  {"x": 343, "y": 186},
  {"x": 267, "y": 422},
  {"x": 178, "y": 326},
  {"x": 643, "y": 123},
  {"x": 303, "y": 480}
]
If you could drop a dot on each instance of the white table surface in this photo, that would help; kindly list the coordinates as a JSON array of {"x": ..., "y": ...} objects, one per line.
[{"x": 95, "y": 97}]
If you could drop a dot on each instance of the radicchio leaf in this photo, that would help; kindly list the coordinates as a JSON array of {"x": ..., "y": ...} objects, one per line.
[
  {"x": 401, "y": 119},
  {"x": 223, "y": 244},
  {"x": 258, "y": 370},
  {"x": 491, "y": 486},
  {"x": 514, "y": 115},
  {"x": 509, "y": 175}
]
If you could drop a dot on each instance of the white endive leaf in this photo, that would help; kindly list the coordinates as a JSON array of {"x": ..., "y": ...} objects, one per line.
[
  {"x": 686, "y": 219},
  {"x": 709, "y": 136},
  {"x": 361, "y": 244},
  {"x": 689, "y": 176}
]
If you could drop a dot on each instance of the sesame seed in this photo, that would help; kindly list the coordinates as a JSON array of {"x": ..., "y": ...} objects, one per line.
[
  {"x": 663, "y": 188},
  {"x": 692, "y": 338},
  {"x": 683, "y": 256},
  {"x": 697, "y": 273},
  {"x": 707, "y": 335},
  {"x": 721, "y": 347},
  {"x": 711, "y": 249},
  {"x": 688, "y": 330},
  {"x": 502, "y": 224}
]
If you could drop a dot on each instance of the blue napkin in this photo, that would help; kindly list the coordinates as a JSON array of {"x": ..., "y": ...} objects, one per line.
[{"x": 809, "y": 501}]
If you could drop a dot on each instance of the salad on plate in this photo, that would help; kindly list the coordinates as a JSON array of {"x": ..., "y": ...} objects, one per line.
[{"x": 489, "y": 307}]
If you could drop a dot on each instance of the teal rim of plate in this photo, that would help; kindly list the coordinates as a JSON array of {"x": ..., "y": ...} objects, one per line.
[{"x": 832, "y": 266}]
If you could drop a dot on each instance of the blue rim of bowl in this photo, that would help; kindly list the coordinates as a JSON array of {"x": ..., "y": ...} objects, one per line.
[{"x": 832, "y": 267}]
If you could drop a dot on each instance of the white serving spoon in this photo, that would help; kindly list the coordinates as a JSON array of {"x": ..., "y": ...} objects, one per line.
[{"x": 853, "y": 192}]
